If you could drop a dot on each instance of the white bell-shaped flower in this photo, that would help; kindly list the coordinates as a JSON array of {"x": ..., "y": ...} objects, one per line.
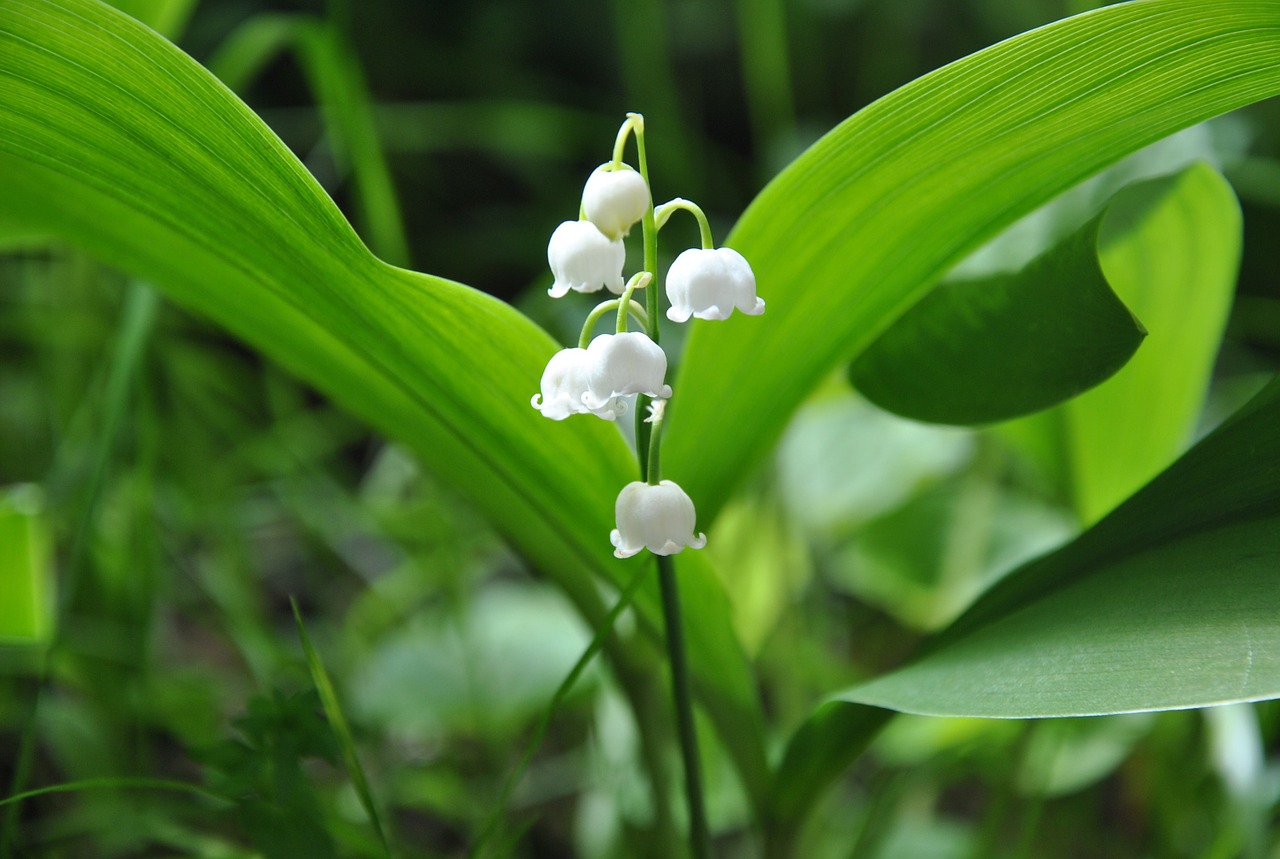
[
  {"x": 622, "y": 364},
  {"x": 658, "y": 518},
  {"x": 614, "y": 200},
  {"x": 564, "y": 385},
  {"x": 709, "y": 283},
  {"x": 584, "y": 259}
]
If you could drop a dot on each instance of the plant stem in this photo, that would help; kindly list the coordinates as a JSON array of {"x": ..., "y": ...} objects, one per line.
[
  {"x": 699, "y": 834},
  {"x": 647, "y": 440},
  {"x": 663, "y": 212},
  {"x": 633, "y": 306},
  {"x": 653, "y": 473},
  {"x": 638, "y": 281},
  {"x": 650, "y": 227}
]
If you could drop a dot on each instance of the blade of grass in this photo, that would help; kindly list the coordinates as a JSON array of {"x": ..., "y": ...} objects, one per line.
[
  {"x": 341, "y": 729},
  {"x": 339, "y": 85},
  {"x": 118, "y": 784},
  {"x": 26, "y": 567}
]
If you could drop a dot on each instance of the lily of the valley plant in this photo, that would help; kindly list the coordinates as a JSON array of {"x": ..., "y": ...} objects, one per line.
[{"x": 598, "y": 375}]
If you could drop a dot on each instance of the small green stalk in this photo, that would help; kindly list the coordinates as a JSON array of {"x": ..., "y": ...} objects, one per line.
[
  {"x": 604, "y": 308},
  {"x": 638, "y": 281},
  {"x": 699, "y": 833},
  {"x": 664, "y": 212},
  {"x": 634, "y": 123},
  {"x": 653, "y": 474},
  {"x": 650, "y": 229}
]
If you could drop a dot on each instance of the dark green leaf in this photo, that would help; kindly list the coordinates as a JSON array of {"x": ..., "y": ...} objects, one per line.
[{"x": 981, "y": 351}]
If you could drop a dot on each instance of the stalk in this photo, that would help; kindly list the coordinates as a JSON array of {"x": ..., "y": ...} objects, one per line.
[{"x": 648, "y": 437}]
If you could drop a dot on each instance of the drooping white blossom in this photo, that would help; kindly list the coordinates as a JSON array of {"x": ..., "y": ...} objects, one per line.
[
  {"x": 615, "y": 200},
  {"x": 658, "y": 518},
  {"x": 564, "y": 387},
  {"x": 622, "y": 364},
  {"x": 709, "y": 283},
  {"x": 584, "y": 259}
]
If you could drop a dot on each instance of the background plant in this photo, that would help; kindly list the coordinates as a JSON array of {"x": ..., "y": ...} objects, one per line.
[{"x": 173, "y": 572}]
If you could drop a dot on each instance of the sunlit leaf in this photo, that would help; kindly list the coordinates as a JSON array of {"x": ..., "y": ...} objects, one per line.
[
  {"x": 112, "y": 138},
  {"x": 857, "y": 229},
  {"x": 1171, "y": 251}
]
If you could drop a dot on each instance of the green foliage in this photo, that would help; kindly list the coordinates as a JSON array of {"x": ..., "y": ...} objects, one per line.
[
  {"x": 947, "y": 359},
  {"x": 855, "y": 231},
  {"x": 341, "y": 729},
  {"x": 1121, "y": 620},
  {"x": 237, "y": 230},
  {"x": 192, "y": 487},
  {"x": 1173, "y": 253}
]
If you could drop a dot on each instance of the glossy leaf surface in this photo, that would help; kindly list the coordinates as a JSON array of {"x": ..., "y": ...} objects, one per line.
[
  {"x": 1170, "y": 602},
  {"x": 981, "y": 351}
]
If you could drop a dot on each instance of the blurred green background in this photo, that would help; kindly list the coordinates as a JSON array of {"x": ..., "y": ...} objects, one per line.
[{"x": 164, "y": 491}]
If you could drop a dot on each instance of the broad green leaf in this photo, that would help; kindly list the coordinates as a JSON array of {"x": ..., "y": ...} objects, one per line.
[
  {"x": 1169, "y": 602},
  {"x": 247, "y": 49},
  {"x": 338, "y": 84},
  {"x": 26, "y": 567},
  {"x": 857, "y": 229},
  {"x": 112, "y": 138},
  {"x": 1171, "y": 251},
  {"x": 986, "y": 350}
]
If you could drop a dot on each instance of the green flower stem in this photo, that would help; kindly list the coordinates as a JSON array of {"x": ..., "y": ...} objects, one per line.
[
  {"x": 634, "y": 307},
  {"x": 648, "y": 437},
  {"x": 699, "y": 834},
  {"x": 633, "y": 123},
  {"x": 649, "y": 226},
  {"x": 638, "y": 281},
  {"x": 653, "y": 474},
  {"x": 664, "y": 212}
]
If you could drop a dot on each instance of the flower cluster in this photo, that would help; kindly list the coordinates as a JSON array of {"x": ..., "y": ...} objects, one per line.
[{"x": 598, "y": 375}]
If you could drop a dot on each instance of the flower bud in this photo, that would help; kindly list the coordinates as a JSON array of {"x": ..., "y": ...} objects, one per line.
[
  {"x": 709, "y": 284},
  {"x": 658, "y": 518},
  {"x": 621, "y": 364},
  {"x": 584, "y": 259},
  {"x": 564, "y": 385},
  {"x": 614, "y": 200}
]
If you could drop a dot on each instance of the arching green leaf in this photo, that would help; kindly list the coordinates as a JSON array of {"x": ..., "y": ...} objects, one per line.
[
  {"x": 857, "y": 229},
  {"x": 112, "y": 138}
]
